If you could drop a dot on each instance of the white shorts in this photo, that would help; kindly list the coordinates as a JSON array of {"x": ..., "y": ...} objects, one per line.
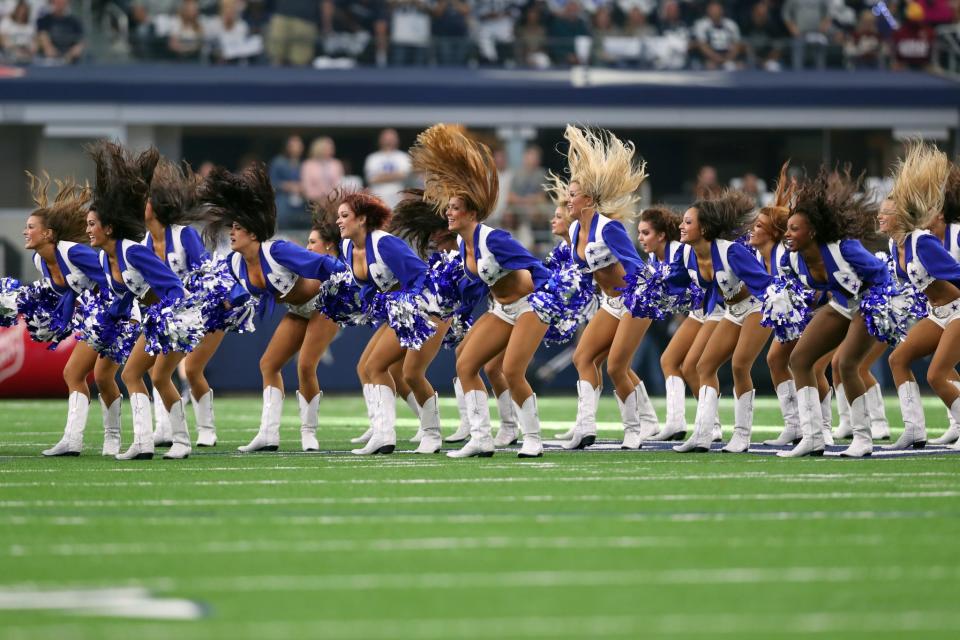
[
  {"x": 737, "y": 313},
  {"x": 847, "y": 312},
  {"x": 613, "y": 306},
  {"x": 510, "y": 312},
  {"x": 701, "y": 316},
  {"x": 304, "y": 310},
  {"x": 944, "y": 314}
]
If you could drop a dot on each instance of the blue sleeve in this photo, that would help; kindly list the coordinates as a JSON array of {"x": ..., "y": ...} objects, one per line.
[
  {"x": 471, "y": 292},
  {"x": 744, "y": 263},
  {"x": 679, "y": 278},
  {"x": 304, "y": 263},
  {"x": 410, "y": 270},
  {"x": 936, "y": 260},
  {"x": 164, "y": 282},
  {"x": 512, "y": 255},
  {"x": 870, "y": 269},
  {"x": 87, "y": 261},
  {"x": 615, "y": 237},
  {"x": 193, "y": 247}
]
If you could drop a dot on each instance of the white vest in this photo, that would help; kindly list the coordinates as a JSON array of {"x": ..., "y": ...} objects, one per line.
[
  {"x": 596, "y": 253},
  {"x": 74, "y": 277},
  {"x": 280, "y": 278}
]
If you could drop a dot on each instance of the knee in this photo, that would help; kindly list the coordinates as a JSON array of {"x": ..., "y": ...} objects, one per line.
[
  {"x": 899, "y": 360},
  {"x": 583, "y": 361},
  {"x": 131, "y": 377},
  {"x": 493, "y": 369},
  {"x": 849, "y": 370},
  {"x": 195, "y": 377},
  {"x": 617, "y": 368},
  {"x": 515, "y": 375},
  {"x": 104, "y": 380},
  {"x": 306, "y": 370},
  {"x": 741, "y": 370},
  {"x": 688, "y": 370},
  {"x": 800, "y": 361},
  {"x": 412, "y": 376},
  {"x": 267, "y": 366}
]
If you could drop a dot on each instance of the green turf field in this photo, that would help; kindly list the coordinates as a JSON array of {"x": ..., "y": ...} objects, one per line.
[{"x": 576, "y": 545}]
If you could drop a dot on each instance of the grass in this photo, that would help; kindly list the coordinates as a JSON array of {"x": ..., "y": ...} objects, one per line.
[{"x": 576, "y": 545}]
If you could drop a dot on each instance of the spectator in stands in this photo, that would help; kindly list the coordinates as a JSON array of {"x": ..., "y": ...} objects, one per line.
[
  {"x": 451, "y": 31},
  {"x": 937, "y": 12},
  {"x": 762, "y": 35},
  {"x": 387, "y": 169},
  {"x": 365, "y": 19},
  {"x": 500, "y": 217},
  {"x": 601, "y": 29},
  {"x": 410, "y": 32},
  {"x": 750, "y": 184},
  {"x": 913, "y": 41},
  {"x": 532, "y": 37},
  {"x": 292, "y": 32},
  {"x": 18, "y": 35},
  {"x": 707, "y": 184},
  {"x": 231, "y": 37},
  {"x": 808, "y": 22},
  {"x": 864, "y": 46},
  {"x": 60, "y": 34},
  {"x": 563, "y": 32},
  {"x": 186, "y": 36},
  {"x": 646, "y": 7},
  {"x": 495, "y": 21},
  {"x": 526, "y": 197},
  {"x": 285, "y": 177},
  {"x": 674, "y": 44},
  {"x": 321, "y": 173},
  {"x": 638, "y": 24},
  {"x": 718, "y": 38}
]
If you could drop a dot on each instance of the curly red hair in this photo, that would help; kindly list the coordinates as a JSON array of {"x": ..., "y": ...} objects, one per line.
[{"x": 373, "y": 209}]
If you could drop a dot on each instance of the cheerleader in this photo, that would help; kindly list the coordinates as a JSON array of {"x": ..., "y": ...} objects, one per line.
[
  {"x": 170, "y": 207},
  {"x": 920, "y": 259},
  {"x": 876, "y": 414},
  {"x": 823, "y": 232},
  {"x": 147, "y": 291},
  {"x": 382, "y": 262},
  {"x": 56, "y": 232},
  {"x": 732, "y": 277},
  {"x": 273, "y": 270},
  {"x": 462, "y": 177},
  {"x": 603, "y": 182}
]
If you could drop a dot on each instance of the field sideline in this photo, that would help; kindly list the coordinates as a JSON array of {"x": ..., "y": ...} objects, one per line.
[{"x": 576, "y": 545}]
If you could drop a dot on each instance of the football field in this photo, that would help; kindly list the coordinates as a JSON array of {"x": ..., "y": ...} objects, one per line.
[{"x": 649, "y": 544}]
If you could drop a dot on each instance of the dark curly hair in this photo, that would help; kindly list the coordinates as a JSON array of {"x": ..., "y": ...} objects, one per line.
[
  {"x": 416, "y": 221},
  {"x": 836, "y": 207},
  {"x": 245, "y": 198},
  {"x": 173, "y": 193},
  {"x": 121, "y": 188},
  {"x": 951, "y": 200},
  {"x": 664, "y": 220},
  {"x": 373, "y": 209},
  {"x": 324, "y": 217},
  {"x": 728, "y": 215}
]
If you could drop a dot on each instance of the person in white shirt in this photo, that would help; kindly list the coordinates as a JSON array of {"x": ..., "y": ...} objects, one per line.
[
  {"x": 18, "y": 34},
  {"x": 718, "y": 38},
  {"x": 387, "y": 169}
]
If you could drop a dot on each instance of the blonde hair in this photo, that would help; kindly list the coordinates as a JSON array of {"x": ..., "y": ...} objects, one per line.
[
  {"x": 556, "y": 189},
  {"x": 605, "y": 169},
  {"x": 779, "y": 208},
  {"x": 66, "y": 216},
  {"x": 456, "y": 166},
  {"x": 920, "y": 181}
]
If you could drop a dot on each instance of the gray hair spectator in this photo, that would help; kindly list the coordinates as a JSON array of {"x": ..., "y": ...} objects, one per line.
[
  {"x": 186, "y": 36},
  {"x": 285, "y": 177},
  {"x": 386, "y": 170},
  {"x": 451, "y": 31},
  {"x": 292, "y": 31},
  {"x": 718, "y": 38},
  {"x": 18, "y": 35},
  {"x": 762, "y": 35},
  {"x": 321, "y": 173},
  {"x": 808, "y": 22},
  {"x": 60, "y": 34},
  {"x": 495, "y": 21}
]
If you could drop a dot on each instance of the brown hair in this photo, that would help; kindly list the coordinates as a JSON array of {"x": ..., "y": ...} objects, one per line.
[
  {"x": 951, "y": 199},
  {"x": 121, "y": 188},
  {"x": 66, "y": 216},
  {"x": 779, "y": 208},
  {"x": 664, "y": 220},
  {"x": 728, "y": 215},
  {"x": 246, "y": 198},
  {"x": 835, "y": 207},
  {"x": 415, "y": 220}
]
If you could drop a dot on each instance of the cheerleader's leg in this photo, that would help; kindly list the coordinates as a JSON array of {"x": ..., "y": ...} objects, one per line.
[
  {"x": 524, "y": 341},
  {"x": 386, "y": 352},
  {"x": 595, "y": 340},
  {"x": 508, "y": 433},
  {"x": 852, "y": 352},
  {"x": 79, "y": 365},
  {"x": 414, "y": 372},
  {"x": 320, "y": 333},
  {"x": 195, "y": 365},
  {"x": 626, "y": 341},
  {"x": 671, "y": 363},
  {"x": 752, "y": 339},
  {"x": 369, "y": 397},
  {"x": 161, "y": 375}
]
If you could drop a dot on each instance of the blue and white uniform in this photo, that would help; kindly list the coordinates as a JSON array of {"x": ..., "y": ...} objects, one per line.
[
  {"x": 141, "y": 272},
  {"x": 183, "y": 249},
  {"x": 951, "y": 240},
  {"x": 391, "y": 263},
  {"x": 607, "y": 243},
  {"x": 927, "y": 260},
  {"x": 81, "y": 271}
]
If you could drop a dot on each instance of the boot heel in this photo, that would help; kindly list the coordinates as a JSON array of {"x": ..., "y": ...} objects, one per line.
[
  {"x": 920, "y": 444},
  {"x": 700, "y": 450},
  {"x": 147, "y": 455},
  {"x": 386, "y": 449},
  {"x": 816, "y": 454},
  {"x": 269, "y": 447},
  {"x": 797, "y": 441},
  {"x": 679, "y": 435},
  {"x": 587, "y": 441},
  {"x": 485, "y": 454}
]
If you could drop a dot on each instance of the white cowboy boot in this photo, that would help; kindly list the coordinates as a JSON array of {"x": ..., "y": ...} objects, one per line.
[
  {"x": 630, "y": 416},
  {"x": 384, "y": 438},
  {"x": 914, "y": 424},
  {"x": 308, "y": 421},
  {"x": 952, "y": 434},
  {"x": 411, "y": 401},
  {"x": 845, "y": 430},
  {"x": 268, "y": 436},
  {"x": 371, "y": 402},
  {"x": 787, "y": 396},
  {"x": 142, "y": 447},
  {"x": 879, "y": 427},
  {"x": 432, "y": 439},
  {"x": 507, "y": 434},
  {"x": 162, "y": 437},
  {"x": 586, "y": 417},
  {"x": 862, "y": 444},
  {"x": 675, "y": 427},
  {"x": 811, "y": 421},
  {"x": 826, "y": 410},
  {"x": 111, "y": 427},
  {"x": 704, "y": 423},
  {"x": 717, "y": 427},
  {"x": 529, "y": 420},
  {"x": 742, "y": 423},
  {"x": 480, "y": 444},
  {"x": 955, "y": 414},
  {"x": 649, "y": 422},
  {"x": 178, "y": 430},
  {"x": 463, "y": 431},
  {"x": 203, "y": 413},
  {"x": 71, "y": 444}
]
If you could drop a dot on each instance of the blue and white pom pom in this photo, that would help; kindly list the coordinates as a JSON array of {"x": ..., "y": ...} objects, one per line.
[
  {"x": 40, "y": 306},
  {"x": 9, "y": 288},
  {"x": 563, "y": 289},
  {"x": 559, "y": 256},
  {"x": 407, "y": 316},
  {"x": 786, "y": 309},
  {"x": 178, "y": 326},
  {"x": 460, "y": 324},
  {"x": 212, "y": 284},
  {"x": 443, "y": 278},
  {"x": 645, "y": 292},
  {"x": 881, "y": 315},
  {"x": 110, "y": 336},
  {"x": 341, "y": 300}
]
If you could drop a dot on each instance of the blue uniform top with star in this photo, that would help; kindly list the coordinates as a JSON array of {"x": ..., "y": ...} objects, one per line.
[
  {"x": 733, "y": 265},
  {"x": 607, "y": 242},
  {"x": 282, "y": 264},
  {"x": 850, "y": 269},
  {"x": 496, "y": 253},
  {"x": 926, "y": 261},
  {"x": 141, "y": 272},
  {"x": 79, "y": 266},
  {"x": 390, "y": 262},
  {"x": 183, "y": 249}
]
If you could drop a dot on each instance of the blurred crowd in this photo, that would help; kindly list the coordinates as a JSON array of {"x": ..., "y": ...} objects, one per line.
[{"x": 644, "y": 34}]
